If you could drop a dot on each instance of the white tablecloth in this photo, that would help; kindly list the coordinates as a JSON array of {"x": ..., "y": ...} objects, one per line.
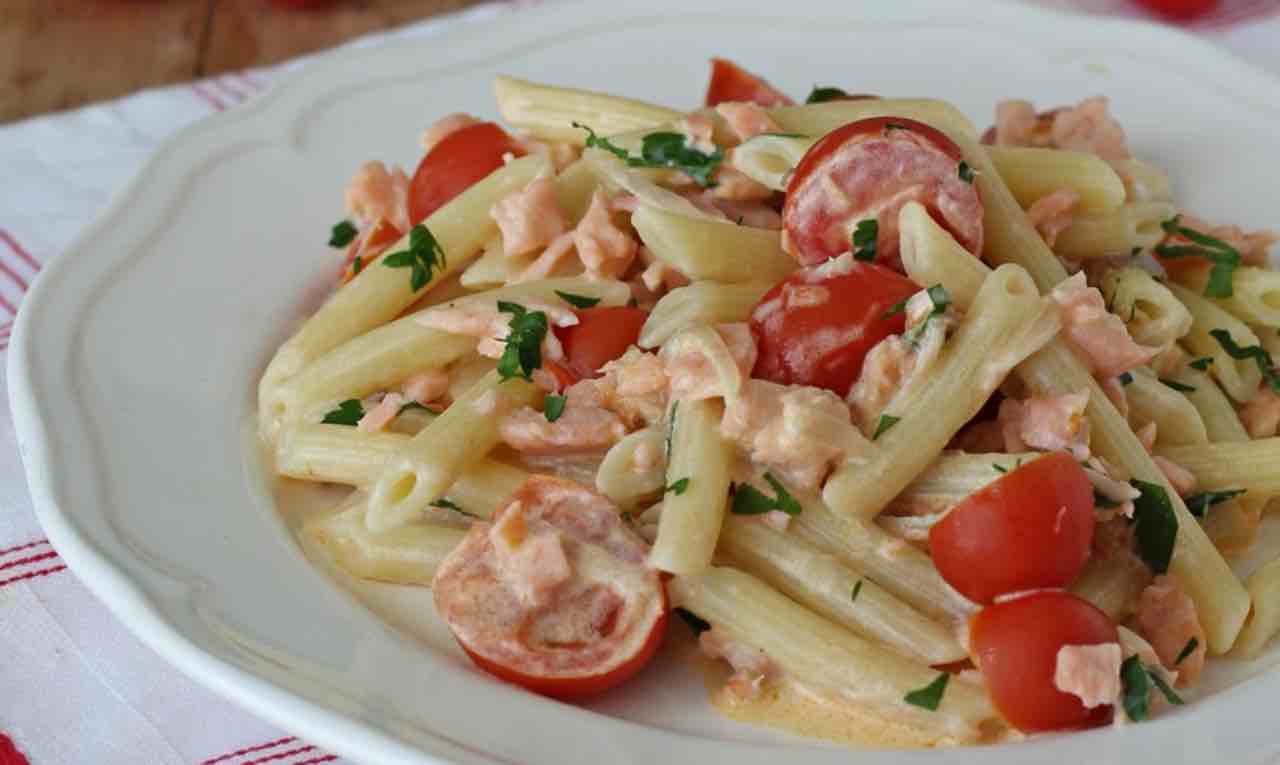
[{"x": 76, "y": 688}]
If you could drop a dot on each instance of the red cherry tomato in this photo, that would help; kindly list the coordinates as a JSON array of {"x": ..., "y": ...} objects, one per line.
[
  {"x": 806, "y": 341},
  {"x": 867, "y": 170},
  {"x": 564, "y": 378},
  {"x": 601, "y": 335},
  {"x": 1181, "y": 10},
  {"x": 1030, "y": 529},
  {"x": 369, "y": 245},
  {"x": 730, "y": 82},
  {"x": 592, "y": 632},
  {"x": 457, "y": 161},
  {"x": 1015, "y": 644}
]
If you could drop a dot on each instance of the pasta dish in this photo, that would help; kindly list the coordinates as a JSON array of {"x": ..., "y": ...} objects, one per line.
[{"x": 947, "y": 437}]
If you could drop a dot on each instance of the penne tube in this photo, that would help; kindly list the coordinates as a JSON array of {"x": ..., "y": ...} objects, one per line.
[
  {"x": 432, "y": 460},
  {"x": 769, "y": 159},
  {"x": 1255, "y": 294},
  {"x": 692, "y": 513},
  {"x": 1152, "y": 314},
  {"x": 633, "y": 472},
  {"x": 1007, "y": 322},
  {"x": 1250, "y": 465},
  {"x": 1239, "y": 378},
  {"x": 1112, "y": 583},
  {"x": 489, "y": 270},
  {"x": 1176, "y": 418},
  {"x": 548, "y": 112},
  {"x": 954, "y": 476},
  {"x": 1143, "y": 181},
  {"x": 713, "y": 250},
  {"x": 1032, "y": 174},
  {"x": 703, "y": 302},
  {"x": 1264, "y": 620},
  {"x": 819, "y": 581},
  {"x": 817, "y": 653},
  {"x": 1133, "y": 226},
  {"x": 820, "y": 119},
  {"x": 931, "y": 255},
  {"x": 409, "y": 554}
]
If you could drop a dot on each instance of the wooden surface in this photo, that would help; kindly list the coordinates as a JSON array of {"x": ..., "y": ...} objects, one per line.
[{"x": 58, "y": 54}]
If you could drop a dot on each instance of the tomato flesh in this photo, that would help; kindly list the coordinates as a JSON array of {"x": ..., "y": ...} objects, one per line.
[
  {"x": 1181, "y": 10},
  {"x": 369, "y": 245},
  {"x": 794, "y": 333},
  {"x": 1015, "y": 644},
  {"x": 601, "y": 335},
  {"x": 730, "y": 82},
  {"x": 455, "y": 163},
  {"x": 1030, "y": 529}
]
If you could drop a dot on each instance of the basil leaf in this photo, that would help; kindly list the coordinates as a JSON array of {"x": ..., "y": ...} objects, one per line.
[
  {"x": 857, "y": 588},
  {"x": 523, "y": 351},
  {"x": 966, "y": 173},
  {"x": 930, "y": 696},
  {"x": 885, "y": 422},
  {"x": 663, "y": 149},
  {"x": 553, "y": 407},
  {"x": 1202, "y": 364},
  {"x": 1137, "y": 687},
  {"x": 1180, "y": 387},
  {"x": 1224, "y": 257},
  {"x": 578, "y": 301},
  {"x": 678, "y": 487},
  {"x": 822, "y": 95},
  {"x": 1199, "y": 504},
  {"x": 1156, "y": 525},
  {"x": 863, "y": 240},
  {"x": 1255, "y": 352},
  {"x": 695, "y": 622},
  {"x": 748, "y": 500},
  {"x": 342, "y": 234},
  {"x": 1164, "y": 688},
  {"x": 1186, "y": 651},
  {"x": 357, "y": 265},
  {"x": 349, "y": 412}
]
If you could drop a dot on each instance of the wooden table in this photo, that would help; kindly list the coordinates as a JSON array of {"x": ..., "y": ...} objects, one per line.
[{"x": 57, "y": 54}]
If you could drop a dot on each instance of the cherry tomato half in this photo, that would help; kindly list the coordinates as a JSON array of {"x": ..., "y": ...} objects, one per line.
[
  {"x": 601, "y": 335},
  {"x": 455, "y": 163},
  {"x": 1030, "y": 529},
  {"x": 1015, "y": 644},
  {"x": 814, "y": 330},
  {"x": 867, "y": 170},
  {"x": 730, "y": 82},
  {"x": 1181, "y": 10}
]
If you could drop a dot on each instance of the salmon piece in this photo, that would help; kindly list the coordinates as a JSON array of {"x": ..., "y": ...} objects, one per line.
[
  {"x": 490, "y": 326},
  {"x": 659, "y": 277},
  {"x": 698, "y": 129},
  {"x": 884, "y": 371},
  {"x": 691, "y": 374},
  {"x": 1052, "y": 214},
  {"x": 1089, "y": 672},
  {"x": 529, "y": 219},
  {"x": 546, "y": 263},
  {"x": 376, "y": 192},
  {"x": 444, "y": 127},
  {"x": 1252, "y": 246},
  {"x": 1098, "y": 337},
  {"x": 634, "y": 386},
  {"x": 1047, "y": 423},
  {"x": 746, "y": 120},
  {"x": 751, "y": 666},
  {"x": 1089, "y": 127},
  {"x": 1182, "y": 480},
  {"x": 427, "y": 386},
  {"x": 605, "y": 249},
  {"x": 381, "y": 415},
  {"x": 733, "y": 185},
  {"x": 531, "y": 565},
  {"x": 579, "y": 429},
  {"x": 1166, "y": 617},
  {"x": 1261, "y": 414},
  {"x": 1016, "y": 125}
]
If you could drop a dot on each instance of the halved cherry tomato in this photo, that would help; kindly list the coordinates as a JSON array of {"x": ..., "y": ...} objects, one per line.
[
  {"x": 369, "y": 245},
  {"x": 815, "y": 330},
  {"x": 1028, "y": 530},
  {"x": 457, "y": 161},
  {"x": 564, "y": 378},
  {"x": 601, "y": 335},
  {"x": 586, "y": 634},
  {"x": 730, "y": 82},
  {"x": 1181, "y": 10},
  {"x": 1015, "y": 644},
  {"x": 867, "y": 170}
]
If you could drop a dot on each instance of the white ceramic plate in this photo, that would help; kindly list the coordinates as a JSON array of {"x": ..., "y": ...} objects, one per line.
[{"x": 135, "y": 358}]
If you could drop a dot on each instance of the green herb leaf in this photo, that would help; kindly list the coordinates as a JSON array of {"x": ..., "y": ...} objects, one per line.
[
  {"x": 448, "y": 504},
  {"x": 1137, "y": 687},
  {"x": 1191, "y": 645},
  {"x": 523, "y": 351},
  {"x": 596, "y": 142},
  {"x": 578, "y": 301},
  {"x": 670, "y": 150},
  {"x": 695, "y": 622},
  {"x": 940, "y": 299},
  {"x": 885, "y": 422},
  {"x": 857, "y": 588},
  {"x": 348, "y": 412},
  {"x": 1224, "y": 257},
  {"x": 671, "y": 429},
  {"x": 896, "y": 308},
  {"x": 412, "y": 405},
  {"x": 553, "y": 407},
  {"x": 1180, "y": 387},
  {"x": 930, "y": 696},
  {"x": 1125, "y": 378},
  {"x": 1199, "y": 504},
  {"x": 1135, "y": 252},
  {"x": 864, "y": 239},
  {"x": 423, "y": 257},
  {"x": 823, "y": 94},
  {"x": 966, "y": 173},
  {"x": 748, "y": 500},
  {"x": 357, "y": 265},
  {"x": 890, "y": 126},
  {"x": 1255, "y": 352},
  {"x": 678, "y": 487},
  {"x": 342, "y": 234},
  {"x": 1000, "y": 468},
  {"x": 1202, "y": 364},
  {"x": 1156, "y": 526},
  {"x": 1169, "y": 695}
]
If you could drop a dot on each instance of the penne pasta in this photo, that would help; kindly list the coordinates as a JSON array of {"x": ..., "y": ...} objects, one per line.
[
  {"x": 1112, "y": 583},
  {"x": 1143, "y": 181},
  {"x": 697, "y": 489},
  {"x": 1152, "y": 314},
  {"x": 632, "y": 472},
  {"x": 1251, "y": 465},
  {"x": 1255, "y": 294},
  {"x": 769, "y": 158},
  {"x": 1177, "y": 419},
  {"x": 409, "y": 554},
  {"x": 1032, "y": 174},
  {"x": 1238, "y": 377},
  {"x": 712, "y": 250},
  {"x": 548, "y": 112},
  {"x": 954, "y": 476},
  {"x": 820, "y": 119},
  {"x": 1264, "y": 620},
  {"x": 1131, "y": 227},
  {"x": 703, "y": 302}
]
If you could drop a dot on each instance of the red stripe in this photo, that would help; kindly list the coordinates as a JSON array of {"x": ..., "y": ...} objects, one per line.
[
  {"x": 33, "y": 574},
  {"x": 326, "y": 758},
  {"x": 14, "y": 275},
  {"x": 250, "y": 750},
  {"x": 209, "y": 98},
  {"x": 8, "y": 306},
  {"x": 26, "y": 546},
  {"x": 279, "y": 756},
  {"x": 29, "y": 559},
  {"x": 19, "y": 249}
]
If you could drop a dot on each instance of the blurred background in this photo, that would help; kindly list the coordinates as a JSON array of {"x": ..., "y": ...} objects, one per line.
[{"x": 58, "y": 54}]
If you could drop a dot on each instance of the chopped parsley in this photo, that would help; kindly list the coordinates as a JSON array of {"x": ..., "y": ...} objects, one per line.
[
  {"x": 412, "y": 405},
  {"x": 342, "y": 234},
  {"x": 1135, "y": 252},
  {"x": 863, "y": 240},
  {"x": 1255, "y": 352},
  {"x": 1186, "y": 651},
  {"x": 999, "y": 468},
  {"x": 1224, "y": 257},
  {"x": 448, "y": 504},
  {"x": 1156, "y": 526},
  {"x": 857, "y": 588},
  {"x": 748, "y": 500},
  {"x": 1125, "y": 378},
  {"x": 578, "y": 301},
  {"x": 671, "y": 429},
  {"x": 1137, "y": 687},
  {"x": 885, "y": 422},
  {"x": 695, "y": 622},
  {"x": 678, "y": 487},
  {"x": 940, "y": 299},
  {"x": 669, "y": 150},
  {"x": 966, "y": 173},
  {"x": 523, "y": 352},
  {"x": 930, "y": 696},
  {"x": 349, "y": 412},
  {"x": 820, "y": 95},
  {"x": 896, "y": 308},
  {"x": 553, "y": 407},
  {"x": 357, "y": 265},
  {"x": 423, "y": 257},
  {"x": 1202, "y": 363},
  {"x": 1180, "y": 387},
  {"x": 1199, "y": 504}
]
